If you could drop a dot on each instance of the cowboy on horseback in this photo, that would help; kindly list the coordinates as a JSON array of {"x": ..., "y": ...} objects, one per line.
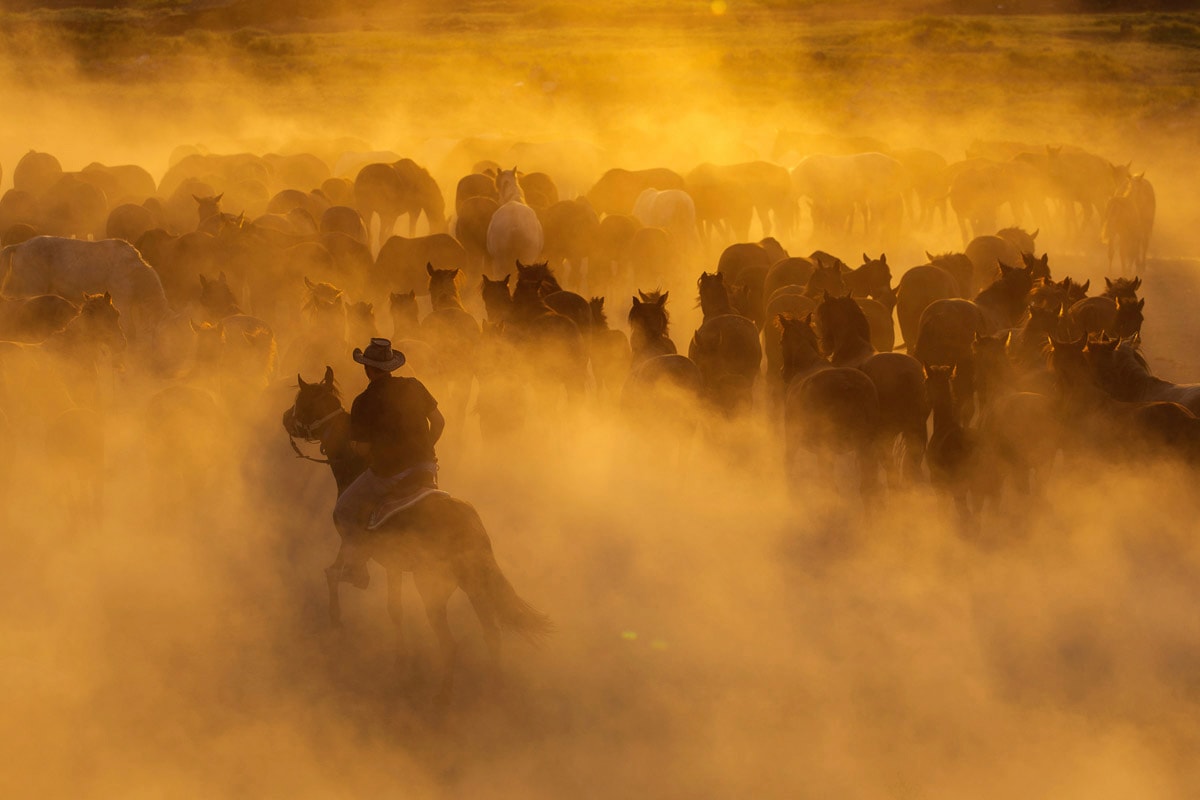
[{"x": 394, "y": 425}]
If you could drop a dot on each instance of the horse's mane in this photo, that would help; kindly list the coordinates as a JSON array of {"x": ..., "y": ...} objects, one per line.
[
  {"x": 316, "y": 298},
  {"x": 599, "y": 315},
  {"x": 332, "y": 388}
]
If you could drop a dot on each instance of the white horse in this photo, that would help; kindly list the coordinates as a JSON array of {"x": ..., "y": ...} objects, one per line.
[
  {"x": 71, "y": 268},
  {"x": 673, "y": 210},
  {"x": 515, "y": 233}
]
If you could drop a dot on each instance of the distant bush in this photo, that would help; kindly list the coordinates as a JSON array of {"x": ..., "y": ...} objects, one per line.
[{"x": 1177, "y": 33}]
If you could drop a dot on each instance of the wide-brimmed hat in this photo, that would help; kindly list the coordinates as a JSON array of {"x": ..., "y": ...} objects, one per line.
[{"x": 379, "y": 354}]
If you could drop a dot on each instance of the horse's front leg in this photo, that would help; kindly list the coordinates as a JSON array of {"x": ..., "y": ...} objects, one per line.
[
  {"x": 395, "y": 606},
  {"x": 435, "y": 589}
]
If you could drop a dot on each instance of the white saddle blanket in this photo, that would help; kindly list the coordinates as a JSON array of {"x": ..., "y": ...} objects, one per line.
[{"x": 392, "y": 507}]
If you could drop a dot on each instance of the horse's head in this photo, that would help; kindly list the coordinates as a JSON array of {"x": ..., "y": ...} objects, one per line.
[
  {"x": 1039, "y": 268},
  {"x": 840, "y": 319},
  {"x": 1129, "y": 317},
  {"x": 714, "y": 295},
  {"x": 208, "y": 206},
  {"x": 316, "y": 404},
  {"x": 497, "y": 298},
  {"x": 825, "y": 279},
  {"x": 403, "y": 307},
  {"x": 324, "y": 302},
  {"x": 540, "y": 274},
  {"x": 101, "y": 321},
  {"x": 939, "y": 383},
  {"x": 360, "y": 317},
  {"x": 648, "y": 313},
  {"x": 444, "y": 284},
  {"x": 1068, "y": 361},
  {"x": 798, "y": 341},
  {"x": 217, "y": 298},
  {"x": 1122, "y": 287}
]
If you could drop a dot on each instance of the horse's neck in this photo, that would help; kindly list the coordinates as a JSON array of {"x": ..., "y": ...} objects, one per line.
[
  {"x": 405, "y": 326},
  {"x": 945, "y": 413},
  {"x": 641, "y": 338},
  {"x": 851, "y": 348},
  {"x": 801, "y": 362},
  {"x": 345, "y": 464},
  {"x": 444, "y": 300},
  {"x": 716, "y": 306}
]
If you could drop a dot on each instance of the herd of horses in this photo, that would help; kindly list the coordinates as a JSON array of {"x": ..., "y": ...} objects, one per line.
[{"x": 113, "y": 283}]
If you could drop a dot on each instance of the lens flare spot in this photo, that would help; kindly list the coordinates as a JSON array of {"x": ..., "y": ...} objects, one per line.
[
  {"x": 629, "y": 636},
  {"x": 719, "y": 7}
]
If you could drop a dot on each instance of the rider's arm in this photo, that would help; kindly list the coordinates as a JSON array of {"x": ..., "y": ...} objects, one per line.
[{"x": 437, "y": 424}]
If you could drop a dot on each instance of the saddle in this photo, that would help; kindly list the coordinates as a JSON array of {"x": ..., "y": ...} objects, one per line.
[{"x": 392, "y": 507}]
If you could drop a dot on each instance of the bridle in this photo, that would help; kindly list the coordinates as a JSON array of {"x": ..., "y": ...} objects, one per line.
[{"x": 311, "y": 432}]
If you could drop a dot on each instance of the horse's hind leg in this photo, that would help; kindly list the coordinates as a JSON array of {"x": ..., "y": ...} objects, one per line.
[
  {"x": 395, "y": 609},
  {"x": 435, "y": 589},
  {"x": 333, "y": 576}
]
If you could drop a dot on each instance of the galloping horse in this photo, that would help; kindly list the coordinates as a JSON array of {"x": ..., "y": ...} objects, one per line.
[{"x": 439, "y": 539}]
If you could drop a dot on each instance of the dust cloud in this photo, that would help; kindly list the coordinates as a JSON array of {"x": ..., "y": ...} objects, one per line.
[{"x": 719, "y": 633}]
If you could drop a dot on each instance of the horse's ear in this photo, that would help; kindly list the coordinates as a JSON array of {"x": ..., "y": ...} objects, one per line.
[
  {"x": 808, "y": 318},
  {"x": 1107, "y": 283},
  {"x": 505, "y": 281},
  {"x": 108, "y": 298},
  {"x": 929, "y": 255},
  {"x": 1086, "y": 285},
  {"x": 1008, "y": 340},
  {"x": 195, "y": 327},
  {"x": 1045, "y": 262},
  {"x": 1137, "y": 284},
  {"x": 883, "y": 259},
  {"x": 1141, "y": 303},
  {"x": 954, "y": 372},
  {"x": 636, "y": 301},
  {"x": 457, "y": 272},
  {"x": 429, "y": 268},
  {"x": 370, "y": 307},
  {"x": 217, "y": 199},
  {"x": 328, "y": 379},
  {"x": 300, "y": 381},
  {"x": 197, "y": 199},
  {"x": 1035, "y": 233},
  {"x": 866, "y": 259},
  {"x": 309, "y": 283},
  {"x": 662, "y": 301}
]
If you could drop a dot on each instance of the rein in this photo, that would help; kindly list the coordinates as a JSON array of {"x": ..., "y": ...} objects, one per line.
[{"x": 310, "y": 432}]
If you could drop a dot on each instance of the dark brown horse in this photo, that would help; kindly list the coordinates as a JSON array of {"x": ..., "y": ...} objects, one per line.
[
  {"x": 610, "y": 353},
  {"x": 844, "y": 331},
  {"x": 919, "y": 287},
  {"x": 440, "y": 540},
  {"x": 830, "y": 412},
  {"x": 648, "y": 327},
  {"x": 1123, "y": 372},
  {"x": 1102, "y": 424},
  {"x": 453, "y": 335},
  {"x": 954, "y": 454}
]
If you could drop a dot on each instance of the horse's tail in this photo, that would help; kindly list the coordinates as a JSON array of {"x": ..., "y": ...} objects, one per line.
[
  {"x": 513, "y": 613},
  {"x": 6, "y": 257}
]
